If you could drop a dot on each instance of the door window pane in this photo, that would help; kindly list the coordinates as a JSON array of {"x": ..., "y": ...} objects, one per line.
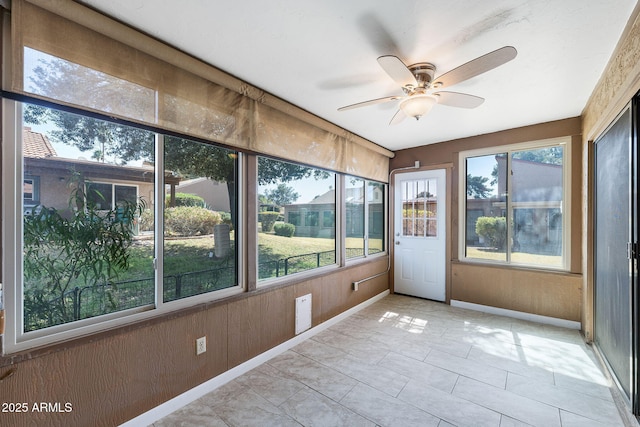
[
  {"x": 301, "y": 234},
  {"x": 419, "y": 208}
]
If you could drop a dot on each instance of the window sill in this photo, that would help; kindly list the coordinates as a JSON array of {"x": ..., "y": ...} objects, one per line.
[{"x": 518, "y": 267}]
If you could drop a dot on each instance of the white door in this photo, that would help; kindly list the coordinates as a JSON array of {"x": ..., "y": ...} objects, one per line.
[{"x": 419, "y": 234}]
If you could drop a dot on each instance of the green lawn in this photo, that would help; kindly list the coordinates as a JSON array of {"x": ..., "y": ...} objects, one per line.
[
  {"x": 192, "y": 254},
  {"x": 272, "y": 247}
]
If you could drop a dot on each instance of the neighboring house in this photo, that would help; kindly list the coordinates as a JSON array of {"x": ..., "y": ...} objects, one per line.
[
  {"x": 318, "y": 217},
  {"x": 214, "y": 193},
  {"x": 47, "y": 178},
  {"x": 536, "y": 202}
]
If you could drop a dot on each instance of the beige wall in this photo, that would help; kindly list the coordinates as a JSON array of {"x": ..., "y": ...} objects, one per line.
[
  {"x": 540, "y": 292},
  {"x": 114, "y": 376}
]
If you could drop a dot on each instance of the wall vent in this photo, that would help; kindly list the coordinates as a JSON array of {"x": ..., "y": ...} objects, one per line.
[{"x": 303, "y": 313}]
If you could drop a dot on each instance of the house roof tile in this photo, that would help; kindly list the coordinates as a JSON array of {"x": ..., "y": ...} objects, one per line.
[{"x": 37, "y": 145}]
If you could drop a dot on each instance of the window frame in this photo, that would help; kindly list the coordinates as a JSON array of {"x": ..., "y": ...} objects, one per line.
[
  {"x": 302, "y": 215},
  {"x": 113, "y": 185},
  {"x": 35, "y": 193},
  {"x": 367, "y": 218},
  {"x": 565, "y": 204}
]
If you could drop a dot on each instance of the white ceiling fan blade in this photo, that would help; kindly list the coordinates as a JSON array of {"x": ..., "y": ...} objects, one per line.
[
  {"x": 477, "y": 66},
  {"x": 460, "y": 100},
  {"x": 397, "y": 70},
  {"x": 398, "y": 117},
  {"x": 370, "y": 102}
]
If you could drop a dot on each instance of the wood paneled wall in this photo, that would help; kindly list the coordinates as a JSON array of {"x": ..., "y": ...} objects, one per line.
[
  {"x": 546, "y": 293},
  {"x": 531, "y": 291},
  {"x": 114, "y": 376}
]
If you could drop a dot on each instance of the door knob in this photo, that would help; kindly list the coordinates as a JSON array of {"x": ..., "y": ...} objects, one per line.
[{"x": 397, "y": 242}]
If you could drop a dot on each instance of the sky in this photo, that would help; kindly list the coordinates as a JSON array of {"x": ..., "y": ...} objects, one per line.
[{"x": 482, "y": 166}]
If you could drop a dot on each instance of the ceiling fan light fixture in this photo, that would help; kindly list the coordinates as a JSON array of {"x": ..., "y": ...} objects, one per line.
[{"x": 418, "y": 105}]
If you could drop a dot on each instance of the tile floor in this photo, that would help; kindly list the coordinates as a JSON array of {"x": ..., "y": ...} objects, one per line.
[{"x": 409, "y": 362}]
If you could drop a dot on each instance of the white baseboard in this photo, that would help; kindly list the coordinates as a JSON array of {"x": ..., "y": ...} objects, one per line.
[
  {"x": 570, "y": 324},
  {"x": 197, "y": 392}
]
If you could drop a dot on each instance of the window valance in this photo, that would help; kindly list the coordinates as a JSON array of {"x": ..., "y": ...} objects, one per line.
[{"x": 96, "y": 63}]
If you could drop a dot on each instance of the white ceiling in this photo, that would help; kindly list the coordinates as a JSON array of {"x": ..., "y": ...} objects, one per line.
[{"x": 321, "y": 54}]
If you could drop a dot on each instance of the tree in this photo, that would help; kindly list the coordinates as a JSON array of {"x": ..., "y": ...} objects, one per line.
[
  {"x": 276, "y": 171},
  {"x": 82, "y": 246},
  {"x": 282, "y": 195},
  {"x": 549, "y": 155},
  {"x": 477, "y": 187}
]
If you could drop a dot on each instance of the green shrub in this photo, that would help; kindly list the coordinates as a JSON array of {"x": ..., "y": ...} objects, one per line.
[
  {"x": 146, "y": 220},
  {"x": 190, "y": 221},
  {"x": 284, "y": 229},
  {"x": 268, "y": 219},
  {"x": 186, "y": 199},
  {"x": 226, "y": 218},
  {"x": 493, "y": 229}
]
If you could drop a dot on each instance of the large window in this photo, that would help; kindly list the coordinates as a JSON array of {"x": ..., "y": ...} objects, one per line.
[
  {"x": 88, "y": 222},
  {"x": 114, "y": 220},
  {"x": 516, "y": 204},
  {"x": 297, "y": 218}
]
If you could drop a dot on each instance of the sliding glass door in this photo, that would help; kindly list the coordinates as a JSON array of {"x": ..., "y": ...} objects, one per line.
[{"x": 615, "y": 255}]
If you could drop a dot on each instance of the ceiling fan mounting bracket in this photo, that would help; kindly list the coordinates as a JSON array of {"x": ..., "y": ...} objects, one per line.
[{"x": 423, "y": 72}]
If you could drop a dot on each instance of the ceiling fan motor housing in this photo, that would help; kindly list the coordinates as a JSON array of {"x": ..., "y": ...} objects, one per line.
[{"x": 424, "y": 72}]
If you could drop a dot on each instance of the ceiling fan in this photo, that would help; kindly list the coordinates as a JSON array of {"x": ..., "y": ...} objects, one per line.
[{"x": 422, "y": 91}]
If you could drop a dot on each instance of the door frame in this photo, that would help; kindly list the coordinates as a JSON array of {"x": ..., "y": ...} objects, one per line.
[{"x": 448, "y": 167}]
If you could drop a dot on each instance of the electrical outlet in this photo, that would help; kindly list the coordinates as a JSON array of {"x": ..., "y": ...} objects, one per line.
[{"x": 201, "y": 345}]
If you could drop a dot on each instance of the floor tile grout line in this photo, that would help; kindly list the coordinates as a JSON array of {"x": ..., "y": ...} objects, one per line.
[{"x": 420, "y": 346}]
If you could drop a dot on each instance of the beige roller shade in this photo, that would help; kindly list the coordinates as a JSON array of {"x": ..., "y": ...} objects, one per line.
[{"x": 149, "y": 82}]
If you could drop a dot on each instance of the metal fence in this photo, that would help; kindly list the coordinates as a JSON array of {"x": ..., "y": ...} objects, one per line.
[
  {"x": 295, "y": 264},
  {"x": 95, "y": 300}
]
